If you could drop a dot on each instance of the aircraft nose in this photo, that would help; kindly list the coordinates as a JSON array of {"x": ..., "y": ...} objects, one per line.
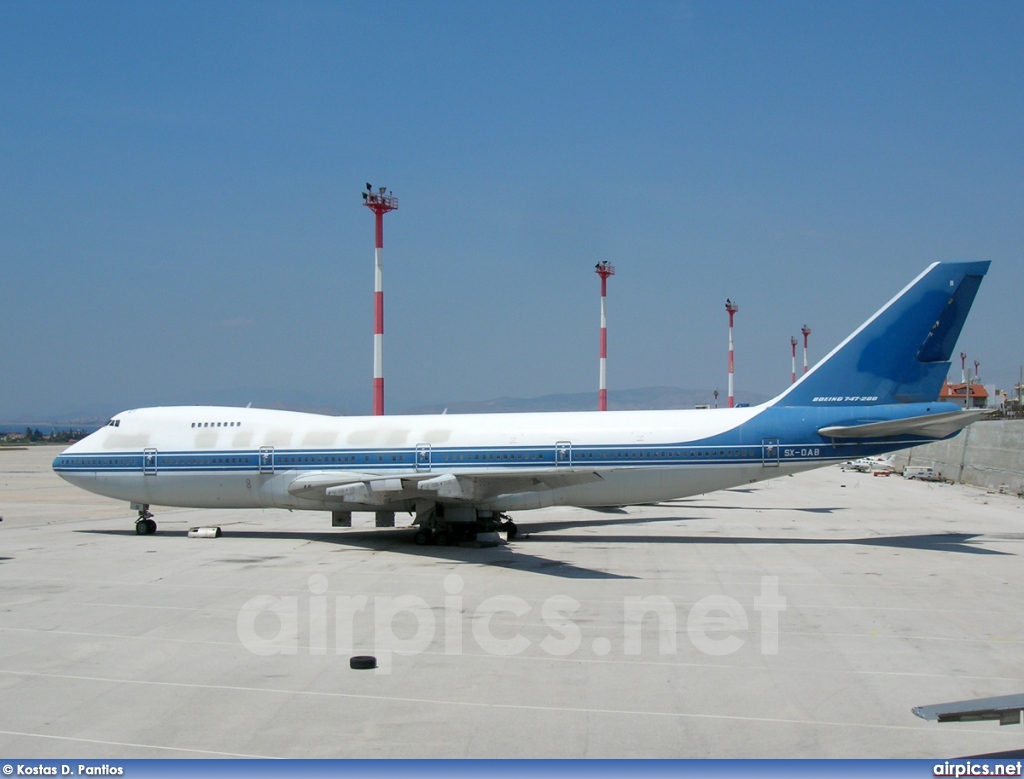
[{"x": 64, "y": 466}]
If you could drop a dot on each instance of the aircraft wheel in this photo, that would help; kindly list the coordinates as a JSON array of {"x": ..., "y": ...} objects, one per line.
[{"x": 140, "y": 527}]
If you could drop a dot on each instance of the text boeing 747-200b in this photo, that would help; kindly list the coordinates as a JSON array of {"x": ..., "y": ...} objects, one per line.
[{"x": 874, "y": 393}]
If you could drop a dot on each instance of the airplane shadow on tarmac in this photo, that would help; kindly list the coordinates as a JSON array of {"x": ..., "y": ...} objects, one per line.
[
  {"x": 399, "y": 540},
  {"x": 519, "y": 554},
  {"x": 934, "y": 542},
  {"x": 719, "y": 507}
]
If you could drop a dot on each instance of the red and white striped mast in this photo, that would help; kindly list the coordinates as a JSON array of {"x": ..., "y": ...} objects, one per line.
[
  {"x": 807, "y": 332},
  {"x": 380, "y": 202},
  {"x": 732, "y": 308},
  {"x": 604, "y": 270},
  {"x": 792, "y": 343}
]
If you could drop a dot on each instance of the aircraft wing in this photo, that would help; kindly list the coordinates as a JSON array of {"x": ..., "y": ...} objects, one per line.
[
  {"x": 354, "y": 486},
  {"x": 1005, "y": 708},
  {"x": 474, "y": 485},
  {"x": 929, "y": 426},
  {"x": 371, "y": 489}
]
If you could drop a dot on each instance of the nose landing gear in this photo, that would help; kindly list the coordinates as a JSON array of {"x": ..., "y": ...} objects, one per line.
[{"x": 144, "y": 525}]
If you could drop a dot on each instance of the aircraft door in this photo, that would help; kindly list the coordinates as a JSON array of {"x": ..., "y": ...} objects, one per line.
[
  {"x": 563, "y": 453},
  {"x": 266, "y": 459},
  {"x": 770, "y": 452},
  {"x": 149, "y": 461},
  {"x": 422, "y": 457}
]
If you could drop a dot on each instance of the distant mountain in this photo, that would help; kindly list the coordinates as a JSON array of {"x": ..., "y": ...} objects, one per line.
[{"x": 618, "y": 400}]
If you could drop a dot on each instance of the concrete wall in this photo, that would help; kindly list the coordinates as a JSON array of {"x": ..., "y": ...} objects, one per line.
[{"x": 986, "y": 454}]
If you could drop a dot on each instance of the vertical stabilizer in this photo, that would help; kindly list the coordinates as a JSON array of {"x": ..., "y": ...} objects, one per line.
[{"x": 901, "y": 354}]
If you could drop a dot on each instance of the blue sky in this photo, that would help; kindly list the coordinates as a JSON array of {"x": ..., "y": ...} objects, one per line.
[{"x": 180, "y": 217}]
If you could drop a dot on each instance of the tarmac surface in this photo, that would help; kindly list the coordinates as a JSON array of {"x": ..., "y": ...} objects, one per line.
[{"x": 802, "y": 617}]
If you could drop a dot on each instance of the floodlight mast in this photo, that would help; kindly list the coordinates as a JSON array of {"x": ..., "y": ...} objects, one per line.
[
  {"x": 380, "y": 202},
  {"x": 807, "y": 333},
  {"x": 731, "y": 308},
  {"x": 792, "y": 343},
  {"x": 604, "y": 270}
]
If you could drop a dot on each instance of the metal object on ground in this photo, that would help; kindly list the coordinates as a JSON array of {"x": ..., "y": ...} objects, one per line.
[
  {"x": 1005, "y": 708},
  {"x": 204, "y": 532}
]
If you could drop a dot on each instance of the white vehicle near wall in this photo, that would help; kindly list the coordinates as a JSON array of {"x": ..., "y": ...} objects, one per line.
[{"x": 870, "y": 465}]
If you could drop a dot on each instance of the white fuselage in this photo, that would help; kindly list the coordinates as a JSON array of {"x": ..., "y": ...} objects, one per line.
[{"x": 203, "y": 456}]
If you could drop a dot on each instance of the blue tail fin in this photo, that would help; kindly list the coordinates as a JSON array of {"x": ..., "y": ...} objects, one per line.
[{"x": 901, "y": 354}]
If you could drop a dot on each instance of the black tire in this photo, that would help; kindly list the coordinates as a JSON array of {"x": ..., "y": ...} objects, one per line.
[
  {"x": 362, "y": 662},
  {"x": 141, "y": 528},
  {"x": 150, "y": 527},
  {"x": 442, "y": 538},
  {"x": 421, "y": 538},
  {"x": 513, "y": 531}
]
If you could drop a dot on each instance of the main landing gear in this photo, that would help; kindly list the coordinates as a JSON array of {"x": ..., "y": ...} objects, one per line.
[
  {"x": 449, "y": 525},
  {"x": 144, "y": 525}
]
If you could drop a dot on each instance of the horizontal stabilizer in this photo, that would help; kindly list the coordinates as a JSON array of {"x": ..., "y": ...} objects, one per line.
[
  {"x": 1005, "y": 708},
  {"x": 928, "y": 426}
]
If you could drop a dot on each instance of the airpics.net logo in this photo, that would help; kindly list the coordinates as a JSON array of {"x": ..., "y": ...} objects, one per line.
[{"x": 505, "y": 625}]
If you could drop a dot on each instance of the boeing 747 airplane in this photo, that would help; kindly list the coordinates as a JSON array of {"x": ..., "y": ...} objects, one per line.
[{"x": 874, "y": 393}]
